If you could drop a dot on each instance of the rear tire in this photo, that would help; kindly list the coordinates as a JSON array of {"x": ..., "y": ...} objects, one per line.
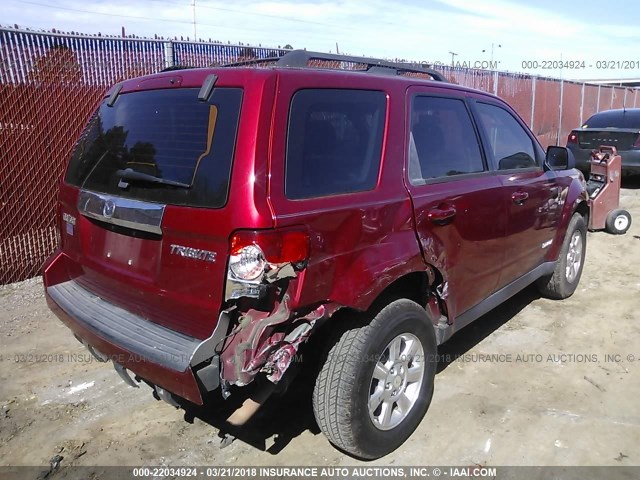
[
  {"x": 376, "y": 382},
  {"x": 565, "y": 278},
  {"x": 618, "y": 222}
]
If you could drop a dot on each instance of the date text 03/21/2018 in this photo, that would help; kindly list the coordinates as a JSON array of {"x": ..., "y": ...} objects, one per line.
[{"x": 580, "y": 64}]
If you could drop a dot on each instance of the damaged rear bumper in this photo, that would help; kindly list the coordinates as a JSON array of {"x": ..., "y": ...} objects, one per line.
[
  {"x": 166, "y": 358},
  {"x": 268, "y": 342},
  {"x": 243, "y": 344}
]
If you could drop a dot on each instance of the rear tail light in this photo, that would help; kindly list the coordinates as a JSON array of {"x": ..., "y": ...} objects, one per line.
[
  {"x": 247, "y": 263},
  {"x": 252, "y": 251},
  {"x": 637, "y": 142},
  {"x": 573, "y": 138}
]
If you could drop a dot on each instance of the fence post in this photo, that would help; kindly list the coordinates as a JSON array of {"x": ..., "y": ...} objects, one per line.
[
  {"x": 560, "y": 119},
  {"x": 495, "y": 82},
  {"x": 613, "y": 94},
  {"x": 582, "y": 104},
  {"x": 533, "y": 101},
  {"x": 169, "y": 59}
]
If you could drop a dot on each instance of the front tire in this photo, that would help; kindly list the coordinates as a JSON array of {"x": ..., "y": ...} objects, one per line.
[
  {"x": 566, "y": 276},
  {"x": 376, "y": 382}
]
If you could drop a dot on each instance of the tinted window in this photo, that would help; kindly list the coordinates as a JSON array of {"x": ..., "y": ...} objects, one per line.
[
  {"x": 615, "y": 118},
  {"x": 334, "y": 142},
  {"x": 165, "y": 133},
  {"x": 443, "y": 141},
  {"x": 510, "y": 144}
]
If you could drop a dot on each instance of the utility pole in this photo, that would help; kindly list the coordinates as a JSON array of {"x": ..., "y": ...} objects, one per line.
[
  {"x": 492, "y": 47},
  {"x": 453, "y": 55},
  {"x": 194, "y": 21}
]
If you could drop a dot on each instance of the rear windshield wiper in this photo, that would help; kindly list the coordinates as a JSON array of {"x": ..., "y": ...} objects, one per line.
[{"x": 130, "y": 175}]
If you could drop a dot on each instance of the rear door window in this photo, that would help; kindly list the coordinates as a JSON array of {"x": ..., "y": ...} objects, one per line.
[
  {"x": 443, "y": 141},
  {"x": 334, "y": 142},
  {"x": 167, "y": 134}
]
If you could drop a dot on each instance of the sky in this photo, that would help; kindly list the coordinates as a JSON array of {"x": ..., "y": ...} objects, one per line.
[{"x": 592, "y": 39}]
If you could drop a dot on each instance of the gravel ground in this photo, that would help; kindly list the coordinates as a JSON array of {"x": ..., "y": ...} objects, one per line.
[{"x": 564, "y": 391}]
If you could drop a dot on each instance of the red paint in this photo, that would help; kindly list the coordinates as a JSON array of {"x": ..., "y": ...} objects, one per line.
[
  {"x": 278, "y": 246},
  {"x": 471, "y": 230}
]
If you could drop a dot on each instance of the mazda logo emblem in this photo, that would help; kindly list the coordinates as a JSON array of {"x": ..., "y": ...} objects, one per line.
[{"x": 108, "y": 209}]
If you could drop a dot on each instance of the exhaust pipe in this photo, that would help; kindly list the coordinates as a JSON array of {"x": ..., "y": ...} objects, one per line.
[{"x": 251, "y": 405}]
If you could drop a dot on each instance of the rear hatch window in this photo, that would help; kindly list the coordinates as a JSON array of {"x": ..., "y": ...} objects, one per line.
[{"x": 160, "y": 146}]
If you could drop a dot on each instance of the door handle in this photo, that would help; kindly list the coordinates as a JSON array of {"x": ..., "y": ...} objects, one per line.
[
  {"x": 441, "y": 216},
  {"x": 519, "y": 197}
]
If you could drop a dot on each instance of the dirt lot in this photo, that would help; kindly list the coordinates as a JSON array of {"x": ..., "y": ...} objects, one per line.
[{"x": 553, "y": 398}]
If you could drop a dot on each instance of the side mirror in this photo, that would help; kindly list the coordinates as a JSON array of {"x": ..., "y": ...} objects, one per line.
[{"x": 560, "y": 158}]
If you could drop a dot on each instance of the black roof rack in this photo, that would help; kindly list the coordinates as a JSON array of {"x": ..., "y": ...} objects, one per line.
[
  {"x": 301, "y": 59},
  {"x": 254, "y": 61},
  {"x": 177, "y": 67}
]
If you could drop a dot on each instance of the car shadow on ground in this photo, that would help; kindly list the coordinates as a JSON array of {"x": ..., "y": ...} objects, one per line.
[
  {"x": 473, "y": 334},
  {"x": 282, "y": 418},
  {"x": 286, "y": 416}
]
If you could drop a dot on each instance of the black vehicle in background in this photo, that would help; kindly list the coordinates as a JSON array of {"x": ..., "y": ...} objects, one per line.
[{"x": 617, "y": 128}]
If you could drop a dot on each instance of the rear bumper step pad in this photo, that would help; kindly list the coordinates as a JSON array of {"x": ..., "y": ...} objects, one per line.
[{"x": 141, "y": 337}]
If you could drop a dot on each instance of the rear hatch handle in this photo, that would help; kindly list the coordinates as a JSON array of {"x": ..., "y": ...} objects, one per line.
[{"x": 125, "y": 212}]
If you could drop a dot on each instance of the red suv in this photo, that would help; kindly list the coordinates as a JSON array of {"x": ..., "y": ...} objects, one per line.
[{"x": 213, "y": 220}]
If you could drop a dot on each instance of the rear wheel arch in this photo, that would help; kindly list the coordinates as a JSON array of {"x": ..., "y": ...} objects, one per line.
[
  {"x": 413, "y": 286},
  {"x": 404, "y": 277},
  {"x": 417, "y": 286}
]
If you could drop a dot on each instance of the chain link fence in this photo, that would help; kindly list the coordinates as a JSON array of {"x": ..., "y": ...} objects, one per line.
[{"x": 50, "y": 83}]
